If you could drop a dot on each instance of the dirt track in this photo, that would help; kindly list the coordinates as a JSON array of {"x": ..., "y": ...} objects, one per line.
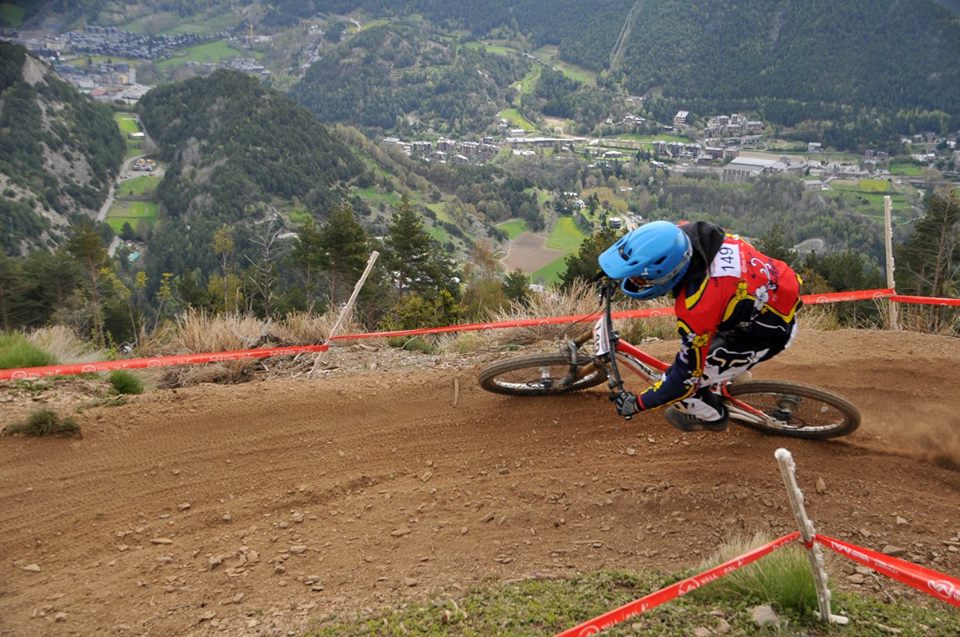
[{"x": 256, "y": 509}]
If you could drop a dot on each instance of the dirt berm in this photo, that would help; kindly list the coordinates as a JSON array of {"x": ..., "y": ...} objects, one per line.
[{"x": 255, "y": 509}]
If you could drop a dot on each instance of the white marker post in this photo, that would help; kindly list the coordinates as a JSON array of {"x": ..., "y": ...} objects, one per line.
[
  {"x": 348, "y": 307},
  {"x": 888, "y": 243},
  {"x": 788, "y": 469}
]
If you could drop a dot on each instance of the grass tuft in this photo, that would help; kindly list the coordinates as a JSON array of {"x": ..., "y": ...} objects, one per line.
[
  {"x": 545, "y": 606},
  {"x": 124, "y": 382},
  {"x": 17, "y": 351},
  {"x": 44, "y": 422},
  {"x": 782, "y": 578}
]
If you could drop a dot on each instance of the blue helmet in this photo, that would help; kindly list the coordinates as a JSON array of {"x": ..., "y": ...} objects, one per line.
[{"x": 651, "y": 259}]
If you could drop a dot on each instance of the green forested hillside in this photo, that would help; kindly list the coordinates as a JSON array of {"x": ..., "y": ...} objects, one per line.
[
  {"x": 238, "y": 152},
  {"x": 58, "y": 151},
  {"x": 585, "y": 30},
  {"x": 389, "y": 75},
  {"x": 232, "y": 144},
  {"x": 889, "y": 54}
]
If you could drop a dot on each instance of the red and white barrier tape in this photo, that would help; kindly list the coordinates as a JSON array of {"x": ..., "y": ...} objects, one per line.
[
  {"x": 924, "y": 300},
  {"x": 808, "y": 299},
  {"x": 158, "y": 361},
  {"x": 193, "y": 359},
  {"x": 939, "y": 585},
  {"x": 673, "y": 591},
  {"x": 931, "y": 582},
  {"x": 842, "y": 297}
]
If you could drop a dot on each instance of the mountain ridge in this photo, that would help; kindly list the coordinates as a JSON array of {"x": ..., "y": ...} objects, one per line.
[{"x": 58, "y": 152}]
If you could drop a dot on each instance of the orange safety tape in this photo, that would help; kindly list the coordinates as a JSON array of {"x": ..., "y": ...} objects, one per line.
[
  {"x": 158, "y": 361},
  {"x": 194, "y": 359},
  {"x": 673, "y": 591},
  {"x": 924, "y": 300},
  {"x": 943, "y": 587}
]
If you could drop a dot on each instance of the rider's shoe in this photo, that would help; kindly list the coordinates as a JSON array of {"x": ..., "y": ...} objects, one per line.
[{"x": 688, "y": 422}]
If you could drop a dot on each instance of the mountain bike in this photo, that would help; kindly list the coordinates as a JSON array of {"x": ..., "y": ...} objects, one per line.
[{"x": 778, "y": 407}]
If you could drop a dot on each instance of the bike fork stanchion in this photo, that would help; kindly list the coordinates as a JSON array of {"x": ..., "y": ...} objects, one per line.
[{"x": 788, "y": 469}]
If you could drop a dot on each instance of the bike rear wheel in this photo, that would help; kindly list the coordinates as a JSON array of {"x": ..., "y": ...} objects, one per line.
[
  {"x": 793, "y": 409},
  {"x": 541, "y": 375}
]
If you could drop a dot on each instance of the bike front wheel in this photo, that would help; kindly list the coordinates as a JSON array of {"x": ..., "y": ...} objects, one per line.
[
  {"x": 541, "y": 375},
  {"x": 792, "y": 409}
]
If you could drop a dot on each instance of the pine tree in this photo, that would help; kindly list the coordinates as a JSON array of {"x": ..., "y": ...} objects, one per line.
[
  {"x": 307, "y": 257},
  {"x": 87, "y": 248},
  {"x": 411, "y": 255},
  {"x": 11, "y": 288},
  {"x": 516, "y": 287},
  {"x": 584, "y": 265},
  {"x": 344, "y": 249},
  {"x": 929, "y": 261}
]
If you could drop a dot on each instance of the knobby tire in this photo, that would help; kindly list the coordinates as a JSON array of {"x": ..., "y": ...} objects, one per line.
[
  {"x": 501, "y": 377},
  {"x": 816, "y": 403}
]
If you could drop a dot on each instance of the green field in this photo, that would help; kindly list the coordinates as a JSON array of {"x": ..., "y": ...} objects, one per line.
[
  {"x": 369, "y": 25},
  {"x": 166, "y": 22},
  {"x": 517, "y": 120},
  {"x": 374, "y": 196},
  {"x": 491, "y": 48},
  {"x": 11, "y": 15},
  {"x": 86, "y": 60},
  {"x": 438, "y": 234},
  {"x": 131, "y": 212},
  {"x": 551, "y": 273},
  {"x": 549, "y": 55},
  {"x": 905, "y": 168},
  {"x": 874, "y": 185},
  {"x": 865, "y": 201},
  {"x": 145, "y": 186},
  {"x": 127, "y": 123},
  {"x": 514, "y": 228},
  {"x": 526, "y": 84},
  {"x": 566, "y": 236},
  {"x": 210, "y": 52},
  {"x": 635, "y": 137}
]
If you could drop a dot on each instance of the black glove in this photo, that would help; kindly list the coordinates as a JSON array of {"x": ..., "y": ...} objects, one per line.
[{"x": 626, "y": 404}]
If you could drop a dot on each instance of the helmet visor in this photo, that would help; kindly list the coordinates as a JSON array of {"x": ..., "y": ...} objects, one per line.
[{"x": 637, "y": 284}]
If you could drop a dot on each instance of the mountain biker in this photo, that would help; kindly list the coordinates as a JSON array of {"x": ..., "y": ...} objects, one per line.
[{"x": 735, "y": 307}]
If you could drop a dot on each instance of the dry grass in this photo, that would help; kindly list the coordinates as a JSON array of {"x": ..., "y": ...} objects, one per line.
[
  {"x": 65, "y": 346},
  {"x": 303, "y": 327},
  {"x": 580, "y": 300},
  {"x": 198, "y": 331},
  {"x": 943, "y": 321},
  {"x": 819, "y": 317}
]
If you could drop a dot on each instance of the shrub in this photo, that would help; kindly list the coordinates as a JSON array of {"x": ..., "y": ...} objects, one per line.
[
  {"x": 16, "y": 351},
  {"x": 415, "y": 344},
  {"x": 44, "y": 422},
  {"x": 124, "y": 382}
]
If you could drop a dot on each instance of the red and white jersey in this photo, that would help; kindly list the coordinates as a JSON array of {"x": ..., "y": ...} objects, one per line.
[{"x": 743, "y": 290}]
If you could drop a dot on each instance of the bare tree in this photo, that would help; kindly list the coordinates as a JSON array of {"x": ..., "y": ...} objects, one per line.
[{"x": 270, "y": 242}]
